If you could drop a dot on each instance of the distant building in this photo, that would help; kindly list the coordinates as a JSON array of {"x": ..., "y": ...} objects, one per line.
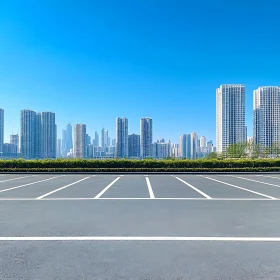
[
  {"x": 267, "y": 116},
  {"x": 194, "y": 145},
  {"x": 58, "y": 148},
  {"x": 102, "y": 138},
  {"x": 146, "y": 137},
  {"x": 9, "y": 151},
  {"x": 80, "y": 141},
  {"x": 96, "y": 139},
  {"x": 230, "y": 116},
  {"x": 69, "y": 138},
  {"x": 134, "y": 146},
  {"x": 114, "y": 142},
  {"x": 121, "y": 137},
  {"x": 27, "y": 134},
  {"x": 14, "y": 139},
  {"x": 48, "y": 135},
  {"x": 106, "y": 138},
  {"x": 210, "y": 147},
  {"x": 203, "y": 144},
  {"x": 1, "y": 130},
  {"x": 185, "y": 146}
]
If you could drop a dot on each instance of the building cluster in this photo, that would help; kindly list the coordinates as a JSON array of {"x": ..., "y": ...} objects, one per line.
[{"x": 230, "y": 116}]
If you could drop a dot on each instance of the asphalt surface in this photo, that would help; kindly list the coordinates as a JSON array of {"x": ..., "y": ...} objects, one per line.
[{"x": 79, "y": 206}]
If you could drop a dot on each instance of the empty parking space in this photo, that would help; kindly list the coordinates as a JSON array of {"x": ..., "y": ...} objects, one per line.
[
  {"x": 88, "y": 188},
  {"x": 170, "y": 187},
  {"x": 39, "y": 187},
  {"x": 216, "y": 189},
  {"x": 128, "y": 186},
  {"x": 260, "y": 187}
]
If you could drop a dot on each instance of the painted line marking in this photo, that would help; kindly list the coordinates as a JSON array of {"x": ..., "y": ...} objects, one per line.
[
  {"x": 194, "y": 188},
  {"x": 266, "y": 176},
  {"x": 14, "y": 179},
  {"x": 261, "y": 194},
  {"x": 138, "y": 198},
  {"x": 49, "y": 193},
  {"x": 30, "y": 184},
  {"x": 255, "y": 181},
  {"x": 139, "y": 238},
  {"x": 152, "y": 196},
  {"x": 104, "y": 190}
]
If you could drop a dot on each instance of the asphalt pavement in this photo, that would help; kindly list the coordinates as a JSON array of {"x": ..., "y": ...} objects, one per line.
[{"x": 88, "y": 226}]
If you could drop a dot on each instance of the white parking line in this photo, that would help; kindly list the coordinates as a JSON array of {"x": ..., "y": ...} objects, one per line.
[
  {"x": 150, "y": 188},
  {"x": 104, "y": 190},
  {"x": 140, "y": 238},
  {"x": 266, "y": 176},
  {"x": 194, "y": 188},
  {"x": 15, "y": 179},
  {"x": 139, "y": 198},
  {"x": 261, "y": 194},
  {"x": 49, "y": 193},
  {"x": 29, "y": 184},
  {"x": 255, "y": 181}
]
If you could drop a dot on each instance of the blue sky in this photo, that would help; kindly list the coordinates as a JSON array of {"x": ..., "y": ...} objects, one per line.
[{"x": 92, "y": 61}]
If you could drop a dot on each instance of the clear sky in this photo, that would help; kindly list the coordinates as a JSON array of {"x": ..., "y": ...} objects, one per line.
[{"x": 92, "y": 61}]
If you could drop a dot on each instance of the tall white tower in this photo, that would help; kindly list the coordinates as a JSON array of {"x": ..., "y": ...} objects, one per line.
[{"x": 230, "y": 116}]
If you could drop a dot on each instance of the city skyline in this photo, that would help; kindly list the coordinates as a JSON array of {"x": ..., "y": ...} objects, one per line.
[{"x": 165, "y": 67}]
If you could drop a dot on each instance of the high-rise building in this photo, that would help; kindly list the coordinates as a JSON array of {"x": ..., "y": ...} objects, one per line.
[
  {"x": 48, "y": 135},
  {"x": 1, "y": 130},
  {"x": 210, "y": 147},
  {"x": 146, "y": 137},
  {"x": 96, "y": 139},
  {"x": 69, "y": 138},
  {"x": 88, "y": 140},
  {"x": 202, "y": 144},
  {"x": 109, "y": 141},
  {"x": 185, "y": 146},
  {"x": 80, "y": 141},
  {"x": 106, "y": 136},
  {"x": 121, "y": 137},
  {"x": 114, "y": 142},
  {"x": 14, "y": 139},
  {"x": 230, "y": 116},
  {"x": 267, "y": 116},
  {"x": 194, "y": 145},
  {"x": 63, "y": 143},
  {"x": 58, "y": 148},
  {"x": 134, "y": 146},
  {"x": 27, "y": 133},
  {"x": 102, "y": 138}
]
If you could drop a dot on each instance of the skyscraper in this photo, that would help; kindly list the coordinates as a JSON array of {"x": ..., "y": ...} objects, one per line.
[
  {"x": 80, "y": 141},
  {"x": 102, "y": 138},
  {"x": 185, "y": 146},
  {"x": 121, "y": 137},
  {"x": 146, "y": 137},
  {"x": 27, "y": 134},
  {"x": 96, "y": 139},
  {"x": 134, "y": 146},
  {"x": 69, "y": 138},
  {"x": 267, "y": 116},
  {"x": 48, "y": 135},
  {"x": 1, "y": 131},
  {"x": 14, "y": 139},
  {"x": 63, "y": 143},
  {"x": 106, "y": 136},
  {"x": 230, "y": 116},
  {"x": 194, "y": 145},
  {"x": 58, "y": 148},
  {"x": 114, "y": 142}
]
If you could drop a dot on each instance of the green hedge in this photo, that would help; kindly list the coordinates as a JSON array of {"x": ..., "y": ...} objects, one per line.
[{"x": 125, "y": 165}]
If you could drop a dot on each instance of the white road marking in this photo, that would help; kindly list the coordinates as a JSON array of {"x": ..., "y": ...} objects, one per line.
[
  {"x": 140, "y": 198},
  {"x": 139, "y": 238},
  {"x": 49, "y": 193},
  {"x": 14, "y": 179},
  {"x": 255, "y": 181},
  {"x": 104, "y": 190},
  {"x": 150, "y": 188},
  {"x": 261, "y": 194},
  {"x": 266, "y": 176},
  {"x": 194, "y": 188},
  {"x": 29, "y": 184}
]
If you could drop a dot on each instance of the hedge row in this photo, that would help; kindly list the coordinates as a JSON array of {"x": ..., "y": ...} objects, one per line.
[
  {"x": 133, "y": 170},
  {"x": 135, "y": 164}
]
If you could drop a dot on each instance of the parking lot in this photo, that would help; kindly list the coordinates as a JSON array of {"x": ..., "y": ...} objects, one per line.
[{"x": 86, "y": 226}]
